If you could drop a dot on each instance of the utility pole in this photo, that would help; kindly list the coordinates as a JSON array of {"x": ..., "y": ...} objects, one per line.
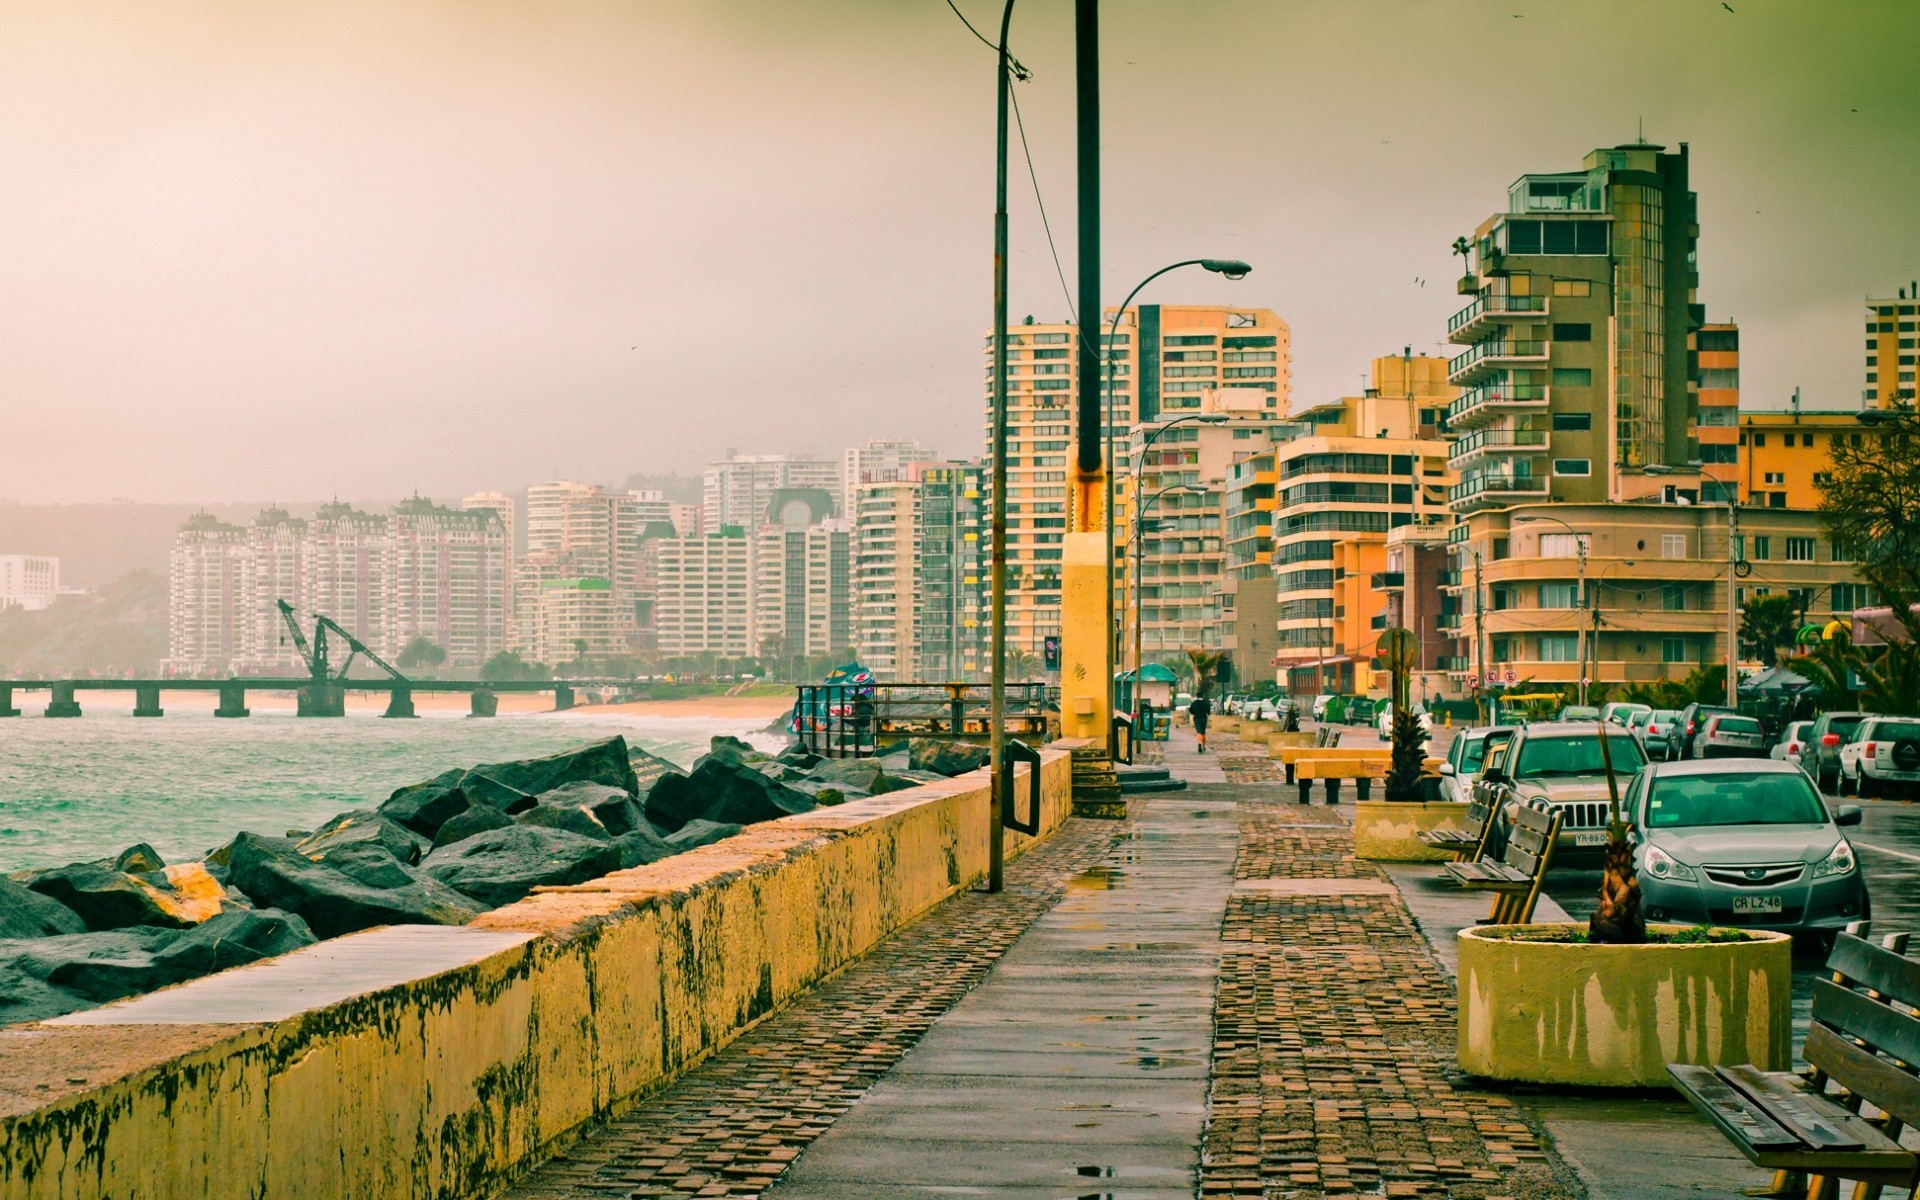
[
  {"x": 1733, "y": 605},
  {"x": 1480, "y": 638},
  {"x": 997, "y": 535},
  {"x": 1580, "y": 584}
]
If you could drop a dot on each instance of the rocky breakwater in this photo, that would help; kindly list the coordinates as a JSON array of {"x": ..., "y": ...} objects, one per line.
[{"x": 438, "y": 852}]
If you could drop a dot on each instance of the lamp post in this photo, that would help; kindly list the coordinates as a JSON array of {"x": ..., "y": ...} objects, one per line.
[
  {"x": 1228, "y": 268},
  {"x": 1580, "y": 586},
  {"x": 1138, "y": 470},
  {"x": 997, "y": 535},
  {"x": 1139, "y": 544}
]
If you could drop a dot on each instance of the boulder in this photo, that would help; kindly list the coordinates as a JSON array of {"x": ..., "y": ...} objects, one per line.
[
  {"x": 724, "y": 791},
  {"x": 503, "y": 865},
  {"x": 700, "y": 833},
  {"x": 24, "y": 998},
  {"x": 25, "y": 913},
  {"x": 477, "y": 819},
  {"x": 274, "y": 874},
  {"x": 193, "y": 895},
  {"x": 649, "y": 768},
  {"x": 828, "y": 793},
  {"x": 424, "y": 807},
  {"x": 232, "y": 939},
  {"x": 861, "y": 774},
  {"x": 945, "y": 757},
  {"x": 364, "y": 826},
  {"x": 614, "y": 809},
  {"x": 561, "y": 816},
  {"x": 728, "y": 746},
  {"x": 642, "y": 846},
  {"x": 799, "y": 756},
  {"x": 605, "y": 762},
  {"x": 108, "y": 899},
  {"x": 367, "y": 862},
  {"x": 138, "y": 859},
  {"x": 87, "y": 962},
  {"x": 484, "y": 789}
]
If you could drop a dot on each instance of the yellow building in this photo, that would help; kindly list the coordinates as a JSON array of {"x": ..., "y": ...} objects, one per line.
[
  {"x": 1785, "y": 454},
  {"x": 1893, "y": 346},
  {"x": 1717, "y": 351}
]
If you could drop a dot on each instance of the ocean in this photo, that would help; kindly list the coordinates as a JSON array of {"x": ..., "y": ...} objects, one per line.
[{"x": 89, "y": 787}]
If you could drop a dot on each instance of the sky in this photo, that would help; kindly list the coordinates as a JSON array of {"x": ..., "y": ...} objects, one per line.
[{"x": 366, "y": 248}]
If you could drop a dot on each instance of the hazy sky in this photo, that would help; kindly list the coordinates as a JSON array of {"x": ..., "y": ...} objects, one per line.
[{"x": 294, "y": 249}]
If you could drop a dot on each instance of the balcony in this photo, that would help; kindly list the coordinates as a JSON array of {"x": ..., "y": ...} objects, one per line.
[
  {"x": 1508, "y": 392},
  {"x": 1386, "y": 579},
  {"x": 1482, "y": 442},
  {"x": 1491, "y": 356},
  {"x": 1494, "y": 488},
  {"x": 1474, "y": 322}
]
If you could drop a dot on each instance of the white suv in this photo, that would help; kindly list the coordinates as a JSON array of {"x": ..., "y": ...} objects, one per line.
[{"x": 1882, "y": 755}]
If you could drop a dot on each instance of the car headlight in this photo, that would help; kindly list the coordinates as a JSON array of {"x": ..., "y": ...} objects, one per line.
[
  {"x": 1662, "y": 865},
  {"x": 1840, "y": 862}
]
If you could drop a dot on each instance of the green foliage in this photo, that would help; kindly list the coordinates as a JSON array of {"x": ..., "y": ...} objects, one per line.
[
  {"x": 507, "y": 666},
  {"x": 1408, "y": 761},
  {"x": 420, "y": 652},
  {"x": 121, "y": 630},
  {"x": 1206, "y": 665},
  {"x": 1021, "y": 666},
  {"x": 1703, "y": 685},
  {"x": 1870, "y": 504},
  {"x": 1767, "y": 625}
]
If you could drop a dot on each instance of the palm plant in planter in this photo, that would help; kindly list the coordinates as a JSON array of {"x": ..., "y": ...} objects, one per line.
[
  {"x": 1407, "y": 765},
  {"x": 1618, "y": 920}
]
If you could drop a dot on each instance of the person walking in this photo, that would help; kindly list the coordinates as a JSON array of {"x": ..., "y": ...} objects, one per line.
[{"x": 1200, "y": 710}]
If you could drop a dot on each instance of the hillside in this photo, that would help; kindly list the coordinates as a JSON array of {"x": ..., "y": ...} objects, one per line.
[{"x": 123, "y": 629}]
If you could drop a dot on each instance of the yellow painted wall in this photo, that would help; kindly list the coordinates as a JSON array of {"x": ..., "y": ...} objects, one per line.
[{"x": 447, "y": 1086}]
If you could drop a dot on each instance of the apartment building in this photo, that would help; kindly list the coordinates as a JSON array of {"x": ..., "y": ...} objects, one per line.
[
  {"x": 1248, "y": 630},
  {"x": 447, "y": 573},
  {"x": 1786, "y": 454},
  {"x": 576, "y": 531},
  {"x": 802, "y": 589},
  {"x": 1716, "y": 353},
  {"x": 578, "y": 620},
  {"x": 1577, "y": 380},
  {"x": 878, "y": 460},
  {"x": 702, "y": 594},
  {"x": 736, "y": 490},
  {"x": 346, "y": 570},
  {"x": 210, "y": 597},
  {"x": 29, "y": 581},
  {"x": 950, "y": 614},
  {"x": 1163, "y": 361},
  {"x": 1893, "y": 348},
  {"x": 884, "y": 588}
]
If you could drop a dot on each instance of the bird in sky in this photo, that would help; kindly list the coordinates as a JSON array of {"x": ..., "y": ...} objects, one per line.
[{"x": 1725, "y": 5}]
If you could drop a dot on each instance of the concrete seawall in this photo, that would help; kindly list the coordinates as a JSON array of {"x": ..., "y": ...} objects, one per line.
[{"x": 423, "y": 1061}]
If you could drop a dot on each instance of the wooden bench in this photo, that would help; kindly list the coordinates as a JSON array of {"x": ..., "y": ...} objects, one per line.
[
  {"x": 1515, "y": 877},
  {"x": 1361, "y": 766},
  {"x": 1467, "y": 843},
  {"x": 1292, "y": 756},
  {"x": 1864, "y": 1040}
]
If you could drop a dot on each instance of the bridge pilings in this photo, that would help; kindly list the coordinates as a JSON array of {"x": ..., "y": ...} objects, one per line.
[
  {"x": 562, "y": 697},
  {"x": 146, "y": 701},
  {"x": 6, "y": 701},
  {"x": 320, "y": 700},
  {"x": 483, "y": 703},
  {"x": 400, "y": 703},
  {"x": 63, "y": 702},
  {"x": 233, "y": 701}
]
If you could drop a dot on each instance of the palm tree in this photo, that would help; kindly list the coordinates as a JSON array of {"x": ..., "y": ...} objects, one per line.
[
  {"x": 1618, "y": 919},
  {"x": 1020, "y": 666},
  {"x": 1205, "y": 663}
]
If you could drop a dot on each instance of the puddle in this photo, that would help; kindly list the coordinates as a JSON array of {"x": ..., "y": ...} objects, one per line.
[
  {"x": 1098, "y": 879},
  {"x": 1144, "y": 947},
  {"x": 1111, "y": 1017}
]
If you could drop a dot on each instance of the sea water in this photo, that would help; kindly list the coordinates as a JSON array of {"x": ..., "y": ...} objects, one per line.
[{"x": 88, "y": 787}]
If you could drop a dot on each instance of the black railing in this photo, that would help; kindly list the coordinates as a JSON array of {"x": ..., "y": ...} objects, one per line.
[{"x": 848, "y": 720}]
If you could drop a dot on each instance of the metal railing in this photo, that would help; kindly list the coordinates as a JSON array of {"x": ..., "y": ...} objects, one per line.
[
  {"x": 1497, "y": 439},
  {"x": 1494, "y": 305},
  {"x": 1491, "y": 349},
  {"x": 848, "y": 720},
  {"x": 1497, "y": 482}
]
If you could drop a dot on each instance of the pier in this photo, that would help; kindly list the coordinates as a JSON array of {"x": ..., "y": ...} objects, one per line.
[{"x": 311, "y": 699}]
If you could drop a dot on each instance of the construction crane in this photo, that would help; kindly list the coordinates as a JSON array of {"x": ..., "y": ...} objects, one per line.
[{"x": 315, "y": 654}]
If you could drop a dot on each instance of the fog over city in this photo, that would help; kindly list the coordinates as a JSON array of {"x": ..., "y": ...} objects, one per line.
[{"x": 364, "y": 248}]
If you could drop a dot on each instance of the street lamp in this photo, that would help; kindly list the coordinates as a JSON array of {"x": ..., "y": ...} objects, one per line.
[
  {"x": 1228, "y": 268},
  {"x": 1139, "y": 544},
  {"x": 1580, "y": 586}
]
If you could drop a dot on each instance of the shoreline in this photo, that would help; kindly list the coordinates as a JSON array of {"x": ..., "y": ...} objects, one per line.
[{"x": 444, "y": 704}]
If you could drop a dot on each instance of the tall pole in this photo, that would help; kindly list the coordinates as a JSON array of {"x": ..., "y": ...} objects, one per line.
[
  {"x": 1733, "y": 607},
  {"x": 1580, "y": 595},
  {"x": 997, "y": 538}
]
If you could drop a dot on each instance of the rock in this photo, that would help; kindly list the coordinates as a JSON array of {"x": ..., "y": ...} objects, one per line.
[
  {"x": 612, "y": 808},
  {"x": 642, "y": 846},
  {"x": 367, "y": 862},
  {"x": 139, "y": 858},
  {"x": 735, "y": 748},
  {"x": 25, "y": 913},
  {"x": 108, "y": 899},
  {"x": 828, "y": 793},
  {"x": 90, "y": 963},
  {"x": 193, "y": 895},
  {"x": 912, "y": 778},
  {"x": 477, "y": 819},
  {"x": 274, "y": 874},
  {"x": 483, "y": 789},
  {"x": 945, "y": 757},
  {"x": 700, "y": 833},
  {"x": 863, "y": 774},
  {"x": 724, "y": 791},
  {"x": 232, "y": 939},
  {"x": 648, "y": 769},
  {"x": 24, "y": 998},
  {"x": 570, "y": 819},
  {"x": 503, "y": 865},
  {"x": 424, "y": 807},
  {"x": 605, "y": 762},
  {"x": 799, "y": 756},
  {"x": 364, "y": 826}
]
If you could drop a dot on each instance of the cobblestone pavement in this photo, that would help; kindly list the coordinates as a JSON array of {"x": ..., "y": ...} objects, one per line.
[
  {"x": 1333, "y": 1060},
  {"x": 730, "y": 1126}
]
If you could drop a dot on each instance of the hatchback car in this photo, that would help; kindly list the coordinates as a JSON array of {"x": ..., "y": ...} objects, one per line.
[
  {"x": 1793, "y": 739},
  {"x": 1656, "y": 731},
  {"x": 1820, "y": 757},
  {"x": 1579, "y": 712},
  {"x": 1729, "y": 735},
  {"x": 1687, "y": 727},
  {"x": 1882, "y": 756},
  {"x": 1743, "y": 843},
  {"x": 1383, "y": 722},
  {"x": 1622, "y": 712}
]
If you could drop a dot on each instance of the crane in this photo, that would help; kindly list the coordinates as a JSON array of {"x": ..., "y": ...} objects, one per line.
[{"x": 315, "y": 654}]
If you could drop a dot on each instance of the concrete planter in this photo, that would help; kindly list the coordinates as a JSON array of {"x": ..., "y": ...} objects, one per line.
[
  {"x": 1258, "y": 731},
  {"x": 1389, "y": 832},
  {"x": 1221, "y": 724},
  {"x": 1560, "y": 1012},
  {"x": 1277, "y": 742}
]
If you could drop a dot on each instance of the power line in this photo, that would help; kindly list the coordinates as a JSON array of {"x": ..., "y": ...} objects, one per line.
[
  {"x": 1020, "y": 71},
  {"x": 1058, "y": 270}
]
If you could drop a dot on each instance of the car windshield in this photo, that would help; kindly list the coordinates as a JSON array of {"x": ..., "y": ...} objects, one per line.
[
  {"x": 1555, "y": 757},
  {"x": 1663, "y": 715},
  {"x": 1575, "y": 712},
  {"x": 1886, "y": 731},
  {"x": 1726, "y": 798},
  {"x": 1844, "y": 726},
  {"x": 1736, "y": 725},
  {"x": 1473, "y": 751}
]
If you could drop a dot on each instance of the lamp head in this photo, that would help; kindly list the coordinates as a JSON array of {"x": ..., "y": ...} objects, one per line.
[{"x": 1232, "y": 268}]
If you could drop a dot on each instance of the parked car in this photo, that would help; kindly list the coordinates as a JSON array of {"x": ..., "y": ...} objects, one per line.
[
  {"x": 1729, "y": 735},
  {"x": 1464, "y": 758},
  {"x": 1687, "y": 727},
  {"x": 1746, "y": 842},
  {"x": 1882, "y": 755},
  {"x": 1578, "y": 712},
  {"x": 1792, "y": 740},
  {"x": 1383, "y": 722},
  {"x": 1259, "y": 710},
  {"x": 1559, "y": 764},
  {"x": 1820, "y": 757},
  {"x": 1656, "y": 730},
  {"x": 1621, "y": 712}
]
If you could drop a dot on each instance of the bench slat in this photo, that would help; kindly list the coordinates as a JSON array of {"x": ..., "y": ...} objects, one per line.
[
  {"x": 1740, "y": 1118},
  {"x": 1857, "y": 1015},
  {"x": 1876, "y": 969},
  {"x": 1884, "y": 1085},
  {"x": 1796, "y": 1111}
]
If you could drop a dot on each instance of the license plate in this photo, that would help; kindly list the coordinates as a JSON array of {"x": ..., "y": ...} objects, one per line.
[
  {"x": 1590, "y": 837},
  {"x": 1756, "y": 904}
]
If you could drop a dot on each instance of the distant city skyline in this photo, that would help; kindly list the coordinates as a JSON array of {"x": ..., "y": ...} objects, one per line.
[{"x": 378, "y": 250}]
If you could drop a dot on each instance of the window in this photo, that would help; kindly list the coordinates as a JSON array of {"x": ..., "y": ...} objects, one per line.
[
  {"x": 1762, "y": 549},
  {"x": 1559, "y": 595},
  {"x": 1720, "y": 377},
  {"x": 1673, "y": 650},
  {"x": 1044, "y": 339},
  {"x": 1564, "y": 545},
  {"x": 1572, "y": 377},
  {"x": 1572, "y": 466},
  {"x": 1572, "y": 422},
  {"x": 1719, "y": 415},
  {"x": 1849, "y": 596},
  {"x": 1572, "y": 287},
  {"x": 1759, "y": 439},
  {"x": 1719, "y": 452},
  {"x": 1503, "y": 649},
  {"x": 1553, "y": 237},
  {"x": 1673, "y": 545},
  {"x": 1799, "y": 549},
  {"x": 1572, "y": 331},
  {"x": 1500, "y": 550},
  {"x": 1777, "y": 500},
  {"x": 1719, "y": 339},
  {"x": 1559, "y": 647},
  {"x": 1502, "y": 598},
  {"x": 1777, "y": 476},
  {"x": 1673, "y": 597}
]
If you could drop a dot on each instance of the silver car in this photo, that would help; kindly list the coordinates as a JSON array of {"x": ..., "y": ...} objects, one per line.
[{"x": 1743, "y": 842}]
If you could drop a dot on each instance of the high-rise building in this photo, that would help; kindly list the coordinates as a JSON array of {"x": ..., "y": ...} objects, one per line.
[
  {"x": 738, "y": 490},
  {"x": 210, "y": 597},
  {"x": 577, "y": 531},
  {"x": 883, "y": 578},
  {"x": 447, "y": 580},
  {"x": 1576, "y": 377},
  {"x": 1249, "y": 603},
  {"x": 878, "y": 460},
  {"x": 1716, "y": 349},
  {"x": 577, "y": 620},
  {"x": 31, "y": 581},
  {"x": 1164, "y": 359},
  {"x": 346, "y": 566},
  {"x": 950, "y": 605},
  {"x": 282, "y": 569},
  {"x": 1893, "y": 348},
  {"x": 703, "y": 594},
  {"x": 802, "y": 589},
  {"x": 508, "y": 511}
]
